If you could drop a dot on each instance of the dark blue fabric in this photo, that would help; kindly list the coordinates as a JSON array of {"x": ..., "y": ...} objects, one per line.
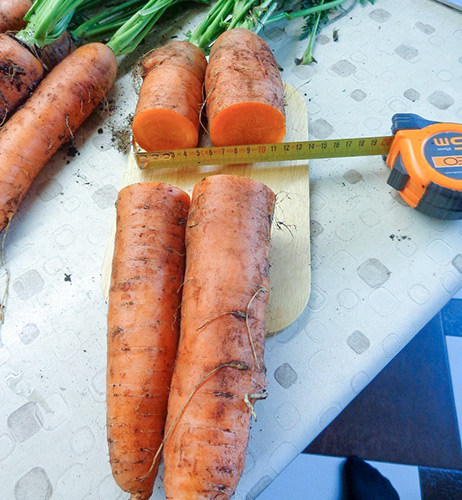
[{"x": 364, "y": 482}]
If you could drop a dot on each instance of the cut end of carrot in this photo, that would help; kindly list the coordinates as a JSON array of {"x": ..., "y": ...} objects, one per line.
[
  {"x": 247, "y": 123},
  {"x": 162, "y": 129}
]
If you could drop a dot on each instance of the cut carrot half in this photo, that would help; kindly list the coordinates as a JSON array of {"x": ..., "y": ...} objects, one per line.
[
  {"x": 247, "y": 123},
  {"x": 160, "y": 129}
]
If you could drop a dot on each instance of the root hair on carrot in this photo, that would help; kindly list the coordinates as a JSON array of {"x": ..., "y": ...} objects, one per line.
[
  {"x": 254, "y": 296},
  {"x": 7, "y": 274},
  {"x": 280, "y": 225},
  {"x": 68, "y": 127},
  {"x": 168, "y": 247},
  {"x": 259, "y": 395},
  {"x": 282, "y": 196},
  {"x": 236, "y": 314},
  {"x": 5, "y": 117},
  {"x": 201, "y": 109},
  {"x": 184, "y": 283},
  {"x": 175, "y": 317},
  {"x": 245, "y": 315},
  {"x": 238, "y": 365},
  {"x": 288, "y": 97}
]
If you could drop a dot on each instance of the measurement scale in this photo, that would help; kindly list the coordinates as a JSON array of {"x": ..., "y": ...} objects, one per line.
[{"x": 425, "y": 158}]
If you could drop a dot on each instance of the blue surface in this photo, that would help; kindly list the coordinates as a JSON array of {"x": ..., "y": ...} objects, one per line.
[
  {"x": 451, "y": 316},
  {"x": 318, "y": 477}
]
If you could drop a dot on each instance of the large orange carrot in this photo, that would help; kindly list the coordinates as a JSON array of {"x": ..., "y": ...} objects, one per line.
[
  {"x": 219, "y": 369},
  {"x": 143, "y": 327},
  {"x": 59, "y": 105},
  {"x": 244, "y": 93},
  {"x": 167, "y": 113},
  {"x": 12, "y": 14}
]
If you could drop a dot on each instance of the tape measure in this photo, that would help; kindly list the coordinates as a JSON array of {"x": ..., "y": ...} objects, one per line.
[{"x": 425, "y": 158}]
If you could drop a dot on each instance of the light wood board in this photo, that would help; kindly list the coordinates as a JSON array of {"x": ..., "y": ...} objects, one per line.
[{"x": 290, "y": 275}]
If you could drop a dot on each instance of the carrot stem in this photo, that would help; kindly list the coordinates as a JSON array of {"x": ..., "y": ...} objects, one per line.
[
  {"x": 258, "y": 16},
  {"x": 130, "y": 34},
  {"x": 226, "y": 15},
  {"x": 307, "y": 57},
  {"x": 209, "y": 33},
  {"x": 199, "y": 31},
  {"x": 239, "y": 12},
  {"x": 47, "y": 21},
  {"x": 107, "y": 21},
  {"x": 304, "y": 12}
]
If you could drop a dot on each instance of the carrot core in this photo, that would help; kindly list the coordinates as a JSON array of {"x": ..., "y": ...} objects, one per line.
[
  {"x": 159, "y": 129},
  {"x": 247, "y": 123}
]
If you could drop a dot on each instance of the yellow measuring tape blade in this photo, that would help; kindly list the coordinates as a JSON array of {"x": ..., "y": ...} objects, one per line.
[{"x": 286, "y": 151}]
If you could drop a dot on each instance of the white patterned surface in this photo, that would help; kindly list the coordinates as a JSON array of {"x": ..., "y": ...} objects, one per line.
[{"x": 380, "y": 269}]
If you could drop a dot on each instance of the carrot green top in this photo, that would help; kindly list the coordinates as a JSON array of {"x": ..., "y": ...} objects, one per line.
[
  {"x": 87, "y": 20},
  {"x": 130, "y": 34},
  {"x": 229, "y": 14},
  {"x": 254, "y": 15},
  {"x": 47, "y": 20}
]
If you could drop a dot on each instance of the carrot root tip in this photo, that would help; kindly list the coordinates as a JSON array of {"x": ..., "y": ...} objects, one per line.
[
  {"x": 7, "y": 273},
  {"x": 259, "y": 395}
]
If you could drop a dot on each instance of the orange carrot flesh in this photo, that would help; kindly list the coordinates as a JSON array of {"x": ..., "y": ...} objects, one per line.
[
  {"x": 167, "y": 113},
  {"x": 247, "y": 123},
  {"x": 12, "y": 14},
  {"x": 143, "y": 327},
  {"x": 244, "y": 92},
  {"x": 59, "y": 105},
  {"x": 220, "y": 354}
]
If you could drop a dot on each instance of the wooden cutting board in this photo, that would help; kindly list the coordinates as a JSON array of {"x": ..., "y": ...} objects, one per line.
[{"x": 290, "y": 275}]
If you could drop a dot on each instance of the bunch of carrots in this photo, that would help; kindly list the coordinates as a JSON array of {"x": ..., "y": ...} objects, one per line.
[
  {"x": 186, "y": 331},
  {"x": 167, "y": 116},
  {"x": 243, "y": 88},
  {"x": 69, "y": 92},
  {"x": 205, "y": 407},
  {"x": 186, "y": 382}
]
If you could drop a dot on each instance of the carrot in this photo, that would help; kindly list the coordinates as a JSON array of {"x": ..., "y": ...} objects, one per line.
[
  {"x": 20, "y": 72},
  {"x": 12, "y": 14},
  {"x": 52, "y": 54},
  {"x": 219, "y": 369},
  {"x": 244, "y": 92},
  {"x": 143, "y": 327},
  {"x": 167, "y": 113},
  {"x": 62, "y": 102},
  {"x": 27, "y": 56},
  {"x": 59, "y": 105}
]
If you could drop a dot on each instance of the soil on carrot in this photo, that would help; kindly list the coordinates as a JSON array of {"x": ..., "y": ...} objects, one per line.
[
  {"x": 72, "y": 150},
  {"x": 13, "y": 72}
]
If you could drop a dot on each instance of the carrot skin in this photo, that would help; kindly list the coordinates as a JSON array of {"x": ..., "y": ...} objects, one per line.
[
  {"x": 59, "y": 105},
  {"x": 143, "y": 327},
  {"x": 167, "y": 113},
  {"x": 51, "y": 55},
  {"x": 20, "y": 72},
  {"x": 12, "y": 14},
  {"x": 226, "y": 280},
  {"x": 244, "y": 92}
]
